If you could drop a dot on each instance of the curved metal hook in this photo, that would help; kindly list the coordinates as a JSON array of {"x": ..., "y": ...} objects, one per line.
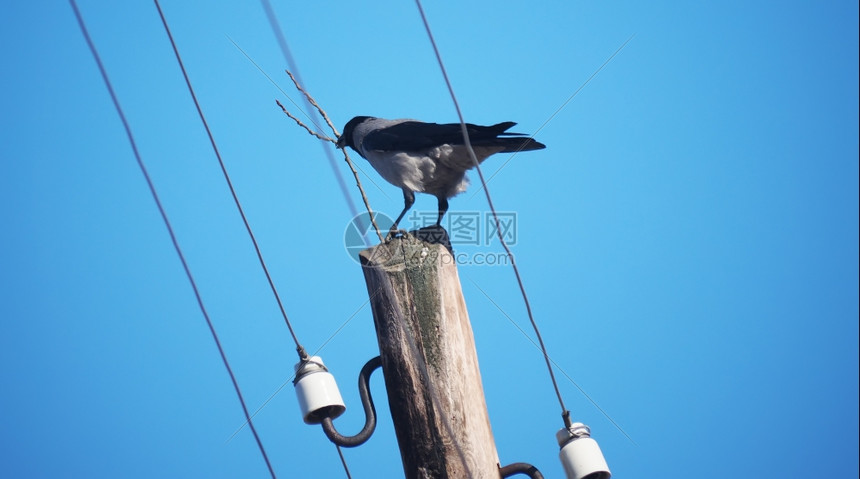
[
  {"x": 520, "y": 468},
  {"x": 369, "y": 410}
]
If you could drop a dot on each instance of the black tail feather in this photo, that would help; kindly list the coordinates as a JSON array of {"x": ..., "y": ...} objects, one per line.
[{"x": 511, "y": 145}]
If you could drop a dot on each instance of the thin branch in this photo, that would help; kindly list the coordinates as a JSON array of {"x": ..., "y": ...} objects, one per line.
[
  {"x": 306, "y": 127},
  {"x": 363, "y": 196},
  {"x": 314, "y": 103},
  {"x": 325, "y": 138}
]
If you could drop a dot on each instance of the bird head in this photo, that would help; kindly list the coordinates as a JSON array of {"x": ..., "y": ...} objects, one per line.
[{"x": 346, "y": 138}]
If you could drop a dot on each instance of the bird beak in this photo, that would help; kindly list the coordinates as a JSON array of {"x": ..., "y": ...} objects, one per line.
[{"x": 341, "y": 142}]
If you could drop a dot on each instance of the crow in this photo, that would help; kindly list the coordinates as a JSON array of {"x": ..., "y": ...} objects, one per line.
[{"x": 428, "y": 158}]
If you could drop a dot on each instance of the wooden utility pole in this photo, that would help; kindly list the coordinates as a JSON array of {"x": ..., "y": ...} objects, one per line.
[{"x": 429, "y": 361}]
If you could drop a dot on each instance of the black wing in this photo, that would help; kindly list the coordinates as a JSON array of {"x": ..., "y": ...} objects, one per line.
[{"x": 418, "y": 136}]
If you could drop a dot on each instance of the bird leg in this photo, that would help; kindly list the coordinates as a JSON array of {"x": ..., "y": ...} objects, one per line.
[
  {"x": 408, "y": 201},
  {"x": 443, "y": 208}
]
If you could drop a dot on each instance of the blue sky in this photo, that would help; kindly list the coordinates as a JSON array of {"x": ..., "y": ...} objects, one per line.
[{"x": 688, "y": 238}]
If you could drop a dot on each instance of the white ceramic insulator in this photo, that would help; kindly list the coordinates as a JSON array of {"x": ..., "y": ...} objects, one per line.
[
  {"x": 582, "y": 458},
  {"x": 317, "y": 392}
]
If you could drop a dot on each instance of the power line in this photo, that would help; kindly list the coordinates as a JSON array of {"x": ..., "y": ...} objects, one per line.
[
  {"x": 343, "y": 461},
  {"x": 170, "y": 231},
  {"x": 299, "y": 348},
  {"x": 288, "y": 56},
  {"x": 564, "y": 411}
]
